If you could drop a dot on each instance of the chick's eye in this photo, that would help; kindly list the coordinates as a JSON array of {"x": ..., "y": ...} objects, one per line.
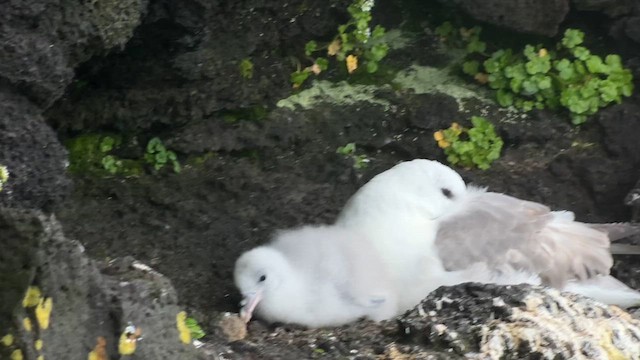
[
  {"x": 447, "y": 193},
  {"x": 263, "y": 278}
]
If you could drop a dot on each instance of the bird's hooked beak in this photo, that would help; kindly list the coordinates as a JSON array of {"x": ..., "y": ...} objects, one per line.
[{"x": 249, "y": 303}]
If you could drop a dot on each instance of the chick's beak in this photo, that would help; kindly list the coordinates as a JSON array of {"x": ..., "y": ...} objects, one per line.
[{"x": 249, "y": 303}]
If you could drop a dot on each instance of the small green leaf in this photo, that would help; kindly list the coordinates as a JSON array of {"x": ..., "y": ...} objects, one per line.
[
  {"x": 504, "y": 97},
  {"x": 581, "y": 53},
  {"x": 578, "y": 119},
  {"x": 377, "y": 32},
  {"x": 538, "y": 65},
  {"x": 298, "y": 77},
  {"x": 544, "y": 82},
  {"x": 107, "y": 144},
  {"x": 310, "y": 47},
  {"x": 348, "y": 149},
  {"x": 322, "y": 63},
  {"x": 529, "y": 87},
  {"x": 595, "y": 65},
  {"x": 194, "y": 327},
  {"x": 246, "y": 68},
  {"x": 476, "y": 46},
  {"x": 613, "y": 62},
  {"x": 379, "y": 51},
  {"x": 445, "y": 29},
  {"x": 530, "y": 52},
  {"x": 572, "y": 38},
  {"x": 471, "y": 67},
  {"x": 565, "y": 69},
  {"x": 372, "y": 66}
]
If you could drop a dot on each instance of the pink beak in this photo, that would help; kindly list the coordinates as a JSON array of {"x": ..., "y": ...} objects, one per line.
[{"x": 249, "y": 303}]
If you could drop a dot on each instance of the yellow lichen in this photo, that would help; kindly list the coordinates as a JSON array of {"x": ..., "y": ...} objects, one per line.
[
  {"x": 128, "y": 340},
  {"x": 543, "y": 52},
  {"x": 606, "y": 341},
  {"x": 315, "y": 68},
  {"x": 334, "y": 47},
  {"x": 4, "y": 175},
  {"x": 99, "y": 352},
  {"x": 352, "y": 63},
  {"x": 444, "y": 144},
  {"x": 17, "y": 355},
  {"x": 185, "y": 334},
  {"x": 438, "y": 135},
  {"x": 26, "y": 322},
  {"x": 38, "y": 344},
  {"x": 43, "y": 312},
  {"x": 7, "y": 340},
  {"x": 32, "y": 297},
  {"x": 40, "y": 357}
]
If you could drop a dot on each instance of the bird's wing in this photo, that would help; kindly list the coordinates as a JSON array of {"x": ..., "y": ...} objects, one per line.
[
  {"x": 504, "y": 231},
  {"x": 340, "y": 258},
  {"x": 369, "y": 281},
  {"x": 340, "y": 261}
]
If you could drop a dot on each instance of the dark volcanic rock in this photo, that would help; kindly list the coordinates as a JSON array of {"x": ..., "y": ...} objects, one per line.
[
  {"x": 525, "y": 16},
  {"x": 43, "y": 41},
  {"x": 31, "y": 152},
  {"x": 621, "y": 127},
  {"x": 520, "y": 322},
  {"x": 613, "y": 8},
  {"x": 87, "y": 303},
  {"x": 184, "y": 63},
  {"x": 19, "y": 240}
]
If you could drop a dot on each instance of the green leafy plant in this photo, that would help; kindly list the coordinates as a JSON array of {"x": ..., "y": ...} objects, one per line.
[
  {"x": 194, "y": 328},
  {"x": 349, "y": 150},
  {"x": 355, "y": 45},
  {"x": 469, "y": 38},
  {"x": 246, "y": 68},
  {"x": 4, "y": 176},
  {"x": 569, "y": 77},
  {"x": 112, "y": 164},
  {"x": 478, "y": 146},
  {"x": 158, "y": 156}
]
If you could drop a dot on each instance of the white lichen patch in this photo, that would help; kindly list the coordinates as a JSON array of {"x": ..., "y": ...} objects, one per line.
[
  {"x": 341, "y": 93},
  {"x": 430, "y": 80},
  {"x": 551, "y": 324},
  {"x": 396, "y": 39}
]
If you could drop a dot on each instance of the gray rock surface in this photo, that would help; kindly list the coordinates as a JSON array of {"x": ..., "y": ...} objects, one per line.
[
  {"x": 30, "y": 150},
  {"x": 521, "y": 322},
  {"x": 612, "y": 8},
  {"x": 43, "y": 41},
  {"x": 189, "y": 53},
  {"x": 89, "y": 299},
  {"x": 525, "y": 16}
]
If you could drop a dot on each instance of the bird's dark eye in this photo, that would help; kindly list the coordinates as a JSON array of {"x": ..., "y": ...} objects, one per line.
[
  {"x": 263, "y": 278},
  {"x": 446, "y": 192}
]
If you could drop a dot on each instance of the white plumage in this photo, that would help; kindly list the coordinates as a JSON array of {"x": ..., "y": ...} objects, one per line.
[
  {"x": 315, "y": 276},
  {"x": 412, "y": 229},
  {"x": 432, "y": 230}
]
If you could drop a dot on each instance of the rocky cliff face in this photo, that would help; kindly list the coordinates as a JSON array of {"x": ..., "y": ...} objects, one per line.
[
  {"x": 89, "y": 300},
  {"x": 172, "y": 69}
]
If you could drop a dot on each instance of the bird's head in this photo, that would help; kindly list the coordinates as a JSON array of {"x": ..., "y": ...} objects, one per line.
[
  {"x": 428, "y": 185},
  {"x": 258, "y": 274}
]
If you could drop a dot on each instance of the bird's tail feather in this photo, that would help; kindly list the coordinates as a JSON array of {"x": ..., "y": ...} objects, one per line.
[
  {"x": 575, "y": 250},
  {"x": 617, "y": 231},
  {"x": 606, "y": 289},
  {"x": 625, "y": 249}
]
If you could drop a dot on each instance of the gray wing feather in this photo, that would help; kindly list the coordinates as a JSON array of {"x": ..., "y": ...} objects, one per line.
[{"x": 504, "y": 232}]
